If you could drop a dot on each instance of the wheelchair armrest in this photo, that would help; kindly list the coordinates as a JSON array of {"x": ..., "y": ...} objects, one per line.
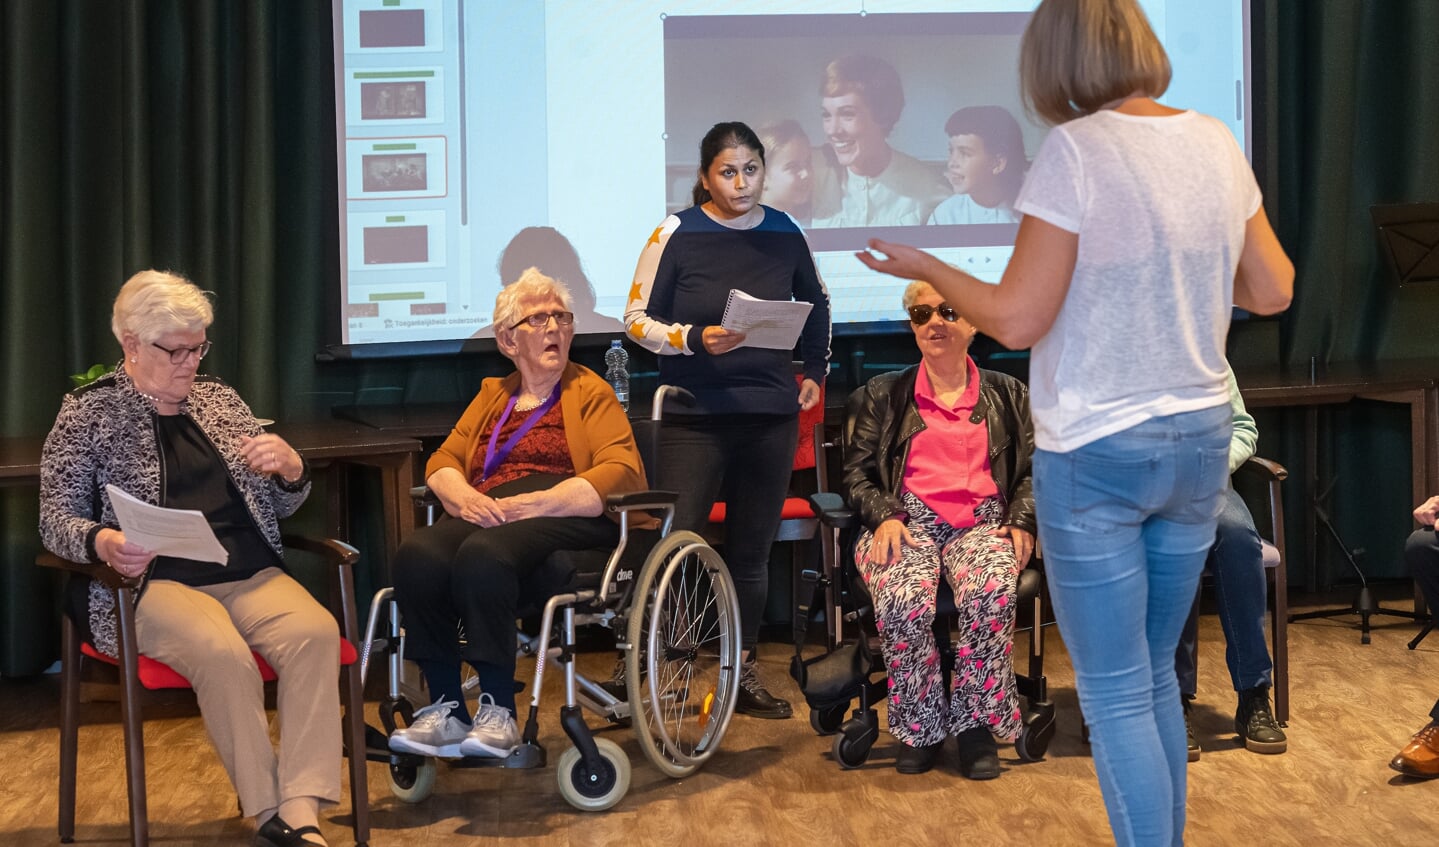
[
  {"x": 423, "y": 496},
  {"x": 98, "y": 571},
  {"x": 1266, "y": 470},
  {"x": 640, "y": 500},
  {"x": 832, "y": 511}
]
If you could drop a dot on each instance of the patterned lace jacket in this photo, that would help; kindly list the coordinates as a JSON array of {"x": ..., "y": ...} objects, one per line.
[{"x": 106, "y": 434}]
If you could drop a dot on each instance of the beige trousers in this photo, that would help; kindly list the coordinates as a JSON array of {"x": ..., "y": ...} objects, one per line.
[{"x": 206, "y": 633}]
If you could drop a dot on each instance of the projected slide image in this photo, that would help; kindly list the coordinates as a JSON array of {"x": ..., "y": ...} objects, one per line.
[
  {"x": 388, "y": 100},
  {"x": 389, "y": 245},
  {"x": 394, "y": 172},
  {"x": 855, "y": 113},
  {"x": 392, "y": 28},
  {"x": 395, "y": 168},
  {"x": 395, "y": 96},
  {"x": 407, "y": 240}
]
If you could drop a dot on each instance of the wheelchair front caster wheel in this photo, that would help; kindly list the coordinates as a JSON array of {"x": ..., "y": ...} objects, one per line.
[
  {"x": 413, "y": 783},
  {"x": 594, "y": 792},
  {"x": 826, "y": 721},
  {"x": 1038, "y": 730}
]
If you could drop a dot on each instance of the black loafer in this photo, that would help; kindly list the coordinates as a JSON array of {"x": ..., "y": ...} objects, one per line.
[
  {"x": 978, "y": 754},
  {"x": 276, "y": 833},
  {"x": 917, "y": 759}
]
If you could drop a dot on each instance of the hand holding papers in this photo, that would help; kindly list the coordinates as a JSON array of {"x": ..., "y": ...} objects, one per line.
[
  {"x": 183, "y": 533},
  {"x": 773, "y": 324}
]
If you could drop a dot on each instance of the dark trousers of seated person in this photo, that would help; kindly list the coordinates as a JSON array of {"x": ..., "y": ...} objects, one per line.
[
  {"x": 1236, "y": 564},
  {"x": 457, "y": 574},
  {"x": 744, "y": 460},
  {"x": 1421, "y": 554}
]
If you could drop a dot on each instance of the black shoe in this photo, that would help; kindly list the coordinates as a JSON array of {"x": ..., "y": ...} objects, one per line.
[
  {"x": 1190, "y": 741},
  {"x": 978, "y": 754},
  {"x": 755, "y": 700},
  {"x": 917, "y": 759},
  {"x": 276, "y": 833},
  {"x": 1256, "y": 724}
]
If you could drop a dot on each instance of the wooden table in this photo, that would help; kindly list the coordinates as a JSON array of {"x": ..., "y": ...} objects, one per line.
[{"x": 1411, "y": 382}]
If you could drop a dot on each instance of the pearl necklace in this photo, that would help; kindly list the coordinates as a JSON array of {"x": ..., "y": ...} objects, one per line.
[{"x": 156, "y": 400}]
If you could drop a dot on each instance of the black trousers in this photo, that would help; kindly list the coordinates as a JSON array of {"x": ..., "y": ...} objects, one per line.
[
  {"x": 746, "y": 461},
  {"x": 457, "y": 573}
]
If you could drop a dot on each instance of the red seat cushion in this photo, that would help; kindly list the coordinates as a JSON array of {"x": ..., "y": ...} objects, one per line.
[
  {"x": 155, "y": 675},
  {"x": 795, "y": 508}
]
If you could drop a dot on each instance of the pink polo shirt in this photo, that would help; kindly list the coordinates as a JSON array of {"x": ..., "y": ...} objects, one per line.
[{"x": 948, "y": 463}]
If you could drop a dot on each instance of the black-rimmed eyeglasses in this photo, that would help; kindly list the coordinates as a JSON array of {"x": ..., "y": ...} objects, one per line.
[
  {"x": 180, "y": 354},
  {"x": 919, "y": 313},
  {"x": 540, "y": 320}
]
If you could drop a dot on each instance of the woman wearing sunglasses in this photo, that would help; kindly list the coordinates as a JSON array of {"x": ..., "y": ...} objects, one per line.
[
  {"x": 1143, "y": 225},
  {"x": 938, "y": 467},
  {"x": 524, "y": 474}
]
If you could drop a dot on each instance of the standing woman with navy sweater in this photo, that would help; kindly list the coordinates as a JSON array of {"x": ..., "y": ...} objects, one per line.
[{"x": 738, "y": 441}]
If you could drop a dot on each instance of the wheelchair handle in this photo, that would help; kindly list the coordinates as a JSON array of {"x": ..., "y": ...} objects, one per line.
[{"x": 667, "y": 392}]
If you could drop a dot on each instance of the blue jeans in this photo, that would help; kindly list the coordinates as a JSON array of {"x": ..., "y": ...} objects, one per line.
[
  {"x": 1236, "y": 564},
  {"x": 1125, "y": 523}
]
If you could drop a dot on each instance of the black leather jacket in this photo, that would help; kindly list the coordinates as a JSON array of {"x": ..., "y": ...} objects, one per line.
[{"x": 881, "y": 417}]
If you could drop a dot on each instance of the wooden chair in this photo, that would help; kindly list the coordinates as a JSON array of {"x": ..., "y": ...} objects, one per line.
[{"x": 137, "y": 672}]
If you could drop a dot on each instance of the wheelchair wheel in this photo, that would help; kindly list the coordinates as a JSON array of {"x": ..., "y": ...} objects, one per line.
[
  {"x": 826, "y": 721},
  {"x": 682, "y": 669},
  {"x": 594, "y": 792},
  {"x": 1038, "y": 730},
  {"x": 855, "y": 740},
  {"x": 413, "y": 783}
]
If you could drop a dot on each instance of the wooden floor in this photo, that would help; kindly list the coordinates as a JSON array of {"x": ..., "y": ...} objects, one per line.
[{"x": 774, "y": 783}]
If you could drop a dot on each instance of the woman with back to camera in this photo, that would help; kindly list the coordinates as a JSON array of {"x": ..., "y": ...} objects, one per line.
[
  {"x": 1142, "y": 227},
  {"x": 159, "y": 431},
  {"x": 739, "y": 439}
]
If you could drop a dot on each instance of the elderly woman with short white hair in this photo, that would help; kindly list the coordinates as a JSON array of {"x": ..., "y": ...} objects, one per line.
[
  {"x": 163, "y": 433},
  {"x": 524, "y": 473}
]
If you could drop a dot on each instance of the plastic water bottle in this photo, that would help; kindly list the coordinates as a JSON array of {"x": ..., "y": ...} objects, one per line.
[{"x": 617, "y": 372}]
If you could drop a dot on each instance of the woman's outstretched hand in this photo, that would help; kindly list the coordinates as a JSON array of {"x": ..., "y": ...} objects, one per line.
[{"x": 899, "y": 260}]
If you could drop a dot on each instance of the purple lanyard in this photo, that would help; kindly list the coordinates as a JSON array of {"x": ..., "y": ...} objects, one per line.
[{"x": 494, "y": 457}]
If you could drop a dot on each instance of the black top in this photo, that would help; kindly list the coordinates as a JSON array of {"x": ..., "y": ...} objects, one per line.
[{"x": 193, "y": 476}]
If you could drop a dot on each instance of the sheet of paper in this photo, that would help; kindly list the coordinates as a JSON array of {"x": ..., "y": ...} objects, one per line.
[
  {"x": 773, "y": 324},
  {"x": 184, "y": 533}
]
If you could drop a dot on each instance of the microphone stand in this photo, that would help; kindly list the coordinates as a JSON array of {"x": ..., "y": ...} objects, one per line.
[{"x": 1364, "y": 605}]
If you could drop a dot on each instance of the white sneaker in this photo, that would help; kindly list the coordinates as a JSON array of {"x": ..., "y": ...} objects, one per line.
[
  {"x": 435, "y": 732},
  {"x": 494, "y": 734}
]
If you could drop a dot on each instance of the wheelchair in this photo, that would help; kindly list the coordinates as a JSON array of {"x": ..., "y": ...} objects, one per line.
[
  {"x": 846, "y": 601},
  {"x": 675, "y": 616}
]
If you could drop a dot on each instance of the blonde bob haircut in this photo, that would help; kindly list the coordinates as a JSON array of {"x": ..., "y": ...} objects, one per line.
[
  {"x": 1077, "y": 55},
  {"x": 531, "y": 285},
  {"x": 154, "y": 303}
]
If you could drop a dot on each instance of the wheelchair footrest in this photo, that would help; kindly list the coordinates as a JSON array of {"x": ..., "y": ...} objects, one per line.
[{"x": 525, "y": 757}]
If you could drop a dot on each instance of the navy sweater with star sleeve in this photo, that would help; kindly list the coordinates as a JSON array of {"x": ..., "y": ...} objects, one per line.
[{"x": 681, "y": 286}]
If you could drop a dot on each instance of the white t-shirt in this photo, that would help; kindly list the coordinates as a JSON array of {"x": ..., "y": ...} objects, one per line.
[{"x": 1160, "y": 205}]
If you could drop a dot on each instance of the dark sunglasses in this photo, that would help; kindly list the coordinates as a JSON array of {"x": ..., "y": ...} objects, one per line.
[{"x": 920, "y": 314}]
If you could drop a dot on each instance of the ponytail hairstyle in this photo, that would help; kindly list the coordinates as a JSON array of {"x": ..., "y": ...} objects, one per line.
[{"x": 722, "y": 137}]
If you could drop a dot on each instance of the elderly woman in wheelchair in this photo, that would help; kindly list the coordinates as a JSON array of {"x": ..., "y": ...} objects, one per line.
[
  {"x": 524, "y": 473},
  {"x": 938, "y": 468},
  {"x": 541, "y": 481}
]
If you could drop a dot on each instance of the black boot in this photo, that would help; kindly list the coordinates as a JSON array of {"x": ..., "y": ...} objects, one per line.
[
  {"x": 1256, "y": 724},
  {"x": 754, "y": 699},
  {"x": 917, "y": 759},
  {"x": 978, "y": 754}
]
